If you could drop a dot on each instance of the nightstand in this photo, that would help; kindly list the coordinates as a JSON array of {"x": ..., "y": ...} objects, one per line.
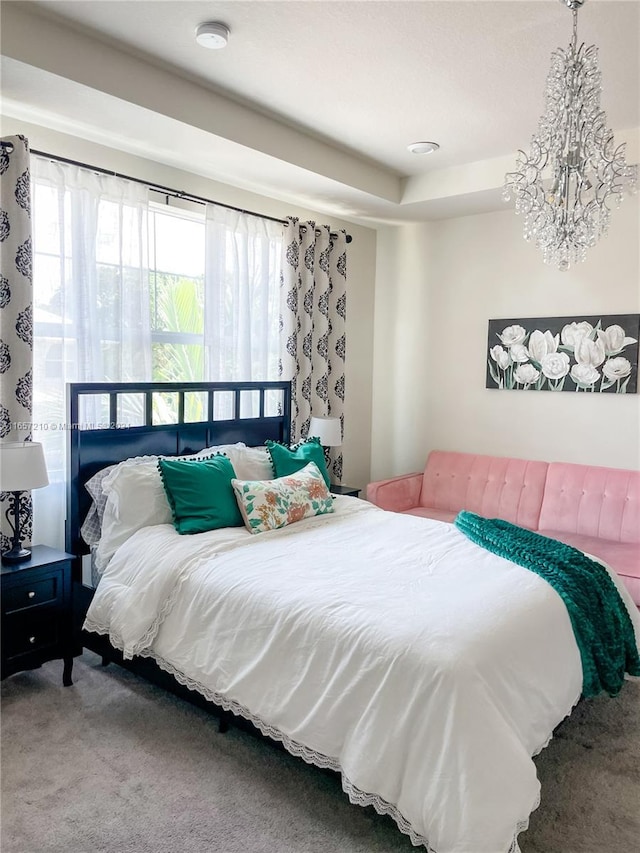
[
  {"x": 336, "y": 489},
  {"x": 36, "y": 612}
]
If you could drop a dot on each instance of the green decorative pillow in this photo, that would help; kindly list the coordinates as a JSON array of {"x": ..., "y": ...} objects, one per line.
[
  {"x": 269, "y": 504},
  {"x": 200, "y": 494},
  {"x": 288, "y": 460}
]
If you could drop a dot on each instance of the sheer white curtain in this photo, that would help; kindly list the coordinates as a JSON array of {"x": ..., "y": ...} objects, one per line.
[
  {"x": 242, "y": 282},
  {"x": 242, "y": 292},
  {"x": 91, "y": 305}
]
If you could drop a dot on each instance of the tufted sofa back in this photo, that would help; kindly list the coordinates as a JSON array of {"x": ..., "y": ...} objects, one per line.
[
  {"x": 492, "y": 486},
  {"x": 592, "y": 501}
]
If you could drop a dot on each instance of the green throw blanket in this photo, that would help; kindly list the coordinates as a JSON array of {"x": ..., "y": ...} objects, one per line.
[{"x": 600, "y": 620}]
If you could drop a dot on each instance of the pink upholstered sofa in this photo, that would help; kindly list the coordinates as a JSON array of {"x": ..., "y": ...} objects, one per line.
[{"x": 594, "y": 509}]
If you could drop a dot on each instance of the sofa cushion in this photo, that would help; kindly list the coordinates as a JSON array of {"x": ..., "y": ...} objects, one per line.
[
  {"x": 624, "y": 557},
  {"x": 592, "y": 501},
  {"x": 491, "y": 486},
  {"x": 431, "y": 512}
]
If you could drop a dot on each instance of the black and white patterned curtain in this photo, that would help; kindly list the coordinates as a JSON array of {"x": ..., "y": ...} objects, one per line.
[
  {"x": 16, "y": 311},
  {"x": 312, "y": 326}
]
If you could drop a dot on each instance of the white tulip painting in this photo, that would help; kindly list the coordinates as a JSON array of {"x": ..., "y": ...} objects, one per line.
[{"x": 582, "y": 354}]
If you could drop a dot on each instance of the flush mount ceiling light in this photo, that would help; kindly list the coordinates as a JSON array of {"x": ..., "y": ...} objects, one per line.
[
  {"x": 574, "y": 171},
  {"x": 213, "y": 35},
  {"x": 423, "y": 147}
]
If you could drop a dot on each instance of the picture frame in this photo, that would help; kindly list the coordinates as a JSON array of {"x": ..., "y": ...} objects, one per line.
[{"x": 580, "y": 353}]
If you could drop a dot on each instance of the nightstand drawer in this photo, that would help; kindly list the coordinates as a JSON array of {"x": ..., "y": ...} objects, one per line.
[
  {"x": 30, "y": 594},
  {"x": 24, "y": 633},
  {"x": 37, "y": 623}
]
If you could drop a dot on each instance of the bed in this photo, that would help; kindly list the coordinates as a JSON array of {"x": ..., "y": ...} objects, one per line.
[{"x": 389, "y": 648}]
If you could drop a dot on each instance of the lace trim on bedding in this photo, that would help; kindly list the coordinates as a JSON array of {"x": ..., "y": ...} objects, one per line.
[
  {"x": 550, "y": 738},
  {"x": 318, "y": 759},
  {"x": 149, "y": 635},
  {"x": 101, "y": 628}
]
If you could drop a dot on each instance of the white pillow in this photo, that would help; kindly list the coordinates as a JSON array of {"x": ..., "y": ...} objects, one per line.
[
  {"x": 136, "y": 498},
  {"x": 226, "y": 449},
  {"x": 251, "y": 463}
]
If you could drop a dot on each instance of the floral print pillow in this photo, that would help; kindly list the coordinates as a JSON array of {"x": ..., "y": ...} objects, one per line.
[{"x": 269, "y": 504}]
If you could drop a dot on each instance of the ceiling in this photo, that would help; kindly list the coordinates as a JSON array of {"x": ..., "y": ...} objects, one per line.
[{"x": 315, "y": 101}]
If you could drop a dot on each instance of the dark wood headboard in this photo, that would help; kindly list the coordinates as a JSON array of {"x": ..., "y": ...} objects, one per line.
[{"x": 92, "y": 446}]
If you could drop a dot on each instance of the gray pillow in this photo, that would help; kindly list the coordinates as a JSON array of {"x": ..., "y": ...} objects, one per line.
[{"x": 92, "y": 525}]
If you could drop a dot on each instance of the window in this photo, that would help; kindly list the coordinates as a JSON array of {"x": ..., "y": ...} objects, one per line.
[
  {"x": 176, "y": 286},
  {"x": 129, "y": 290}
]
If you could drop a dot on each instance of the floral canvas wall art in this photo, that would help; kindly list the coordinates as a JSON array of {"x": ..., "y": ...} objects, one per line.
[{"x": 584, "y": 354}]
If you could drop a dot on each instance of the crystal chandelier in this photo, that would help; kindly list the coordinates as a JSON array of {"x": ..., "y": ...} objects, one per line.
[{"x": 574, "y": 172}]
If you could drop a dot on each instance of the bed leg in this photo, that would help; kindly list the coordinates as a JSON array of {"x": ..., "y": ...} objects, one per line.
[
  {"x": 223, "y": 726},
  {"x": 66, "y": 672}
]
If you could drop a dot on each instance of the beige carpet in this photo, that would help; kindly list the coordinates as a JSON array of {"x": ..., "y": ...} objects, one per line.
[{"x": 114, "y": 765}]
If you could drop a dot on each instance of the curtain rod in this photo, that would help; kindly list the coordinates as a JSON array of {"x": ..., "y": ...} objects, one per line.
[{"x": 168, "y": 191}]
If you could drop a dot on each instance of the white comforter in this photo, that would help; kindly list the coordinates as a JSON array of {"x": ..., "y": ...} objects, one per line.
[{"x": 388, "y": 647}]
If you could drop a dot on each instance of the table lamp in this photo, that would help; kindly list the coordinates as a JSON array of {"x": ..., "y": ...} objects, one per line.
[
  {"x": 22, "y": 468},
  {"x": 327, "y": 430}
]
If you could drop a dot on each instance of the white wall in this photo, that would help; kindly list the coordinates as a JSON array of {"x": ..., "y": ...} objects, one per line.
[
  {"x": 360, "y": 266},
  {"x": 441, "y": 289},
  {"x": 402, "y": 311}
]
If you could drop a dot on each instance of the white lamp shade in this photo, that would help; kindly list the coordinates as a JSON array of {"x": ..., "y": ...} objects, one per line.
[
  {"x": 22, "y": 466},
  {"x": 327, "y": 430}
]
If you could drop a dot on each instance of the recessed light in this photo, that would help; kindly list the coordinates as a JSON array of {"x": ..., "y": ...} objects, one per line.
[
  {"x": 213, "y": 35},
  {"x": 423, "y": 147}
]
